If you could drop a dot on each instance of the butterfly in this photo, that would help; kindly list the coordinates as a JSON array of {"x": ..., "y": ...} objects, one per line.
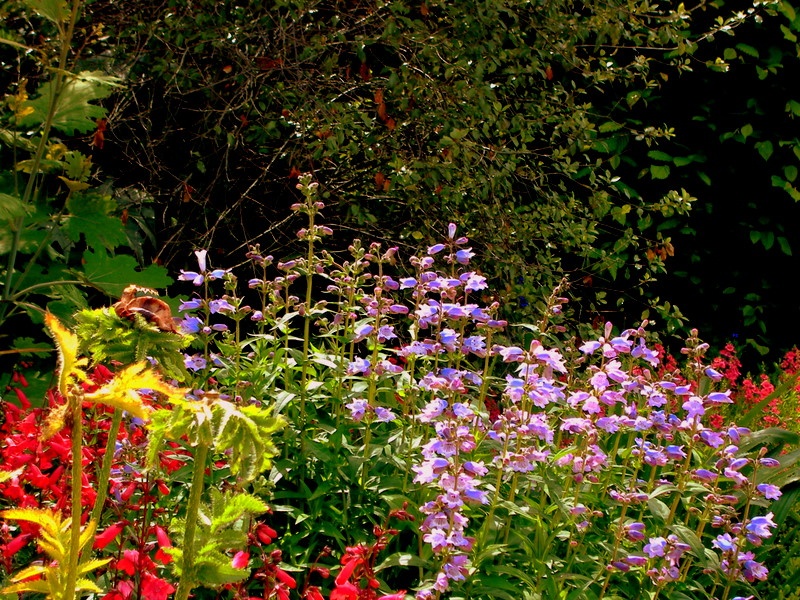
[{"x": 152, "y": 310}]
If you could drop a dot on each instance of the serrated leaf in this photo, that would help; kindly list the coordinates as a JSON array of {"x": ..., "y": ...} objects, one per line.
[
  {"x": 113, "y": 274},
  {"x": 73, "y": 111},
  {"x": 747, "y": 49},
  {"x": 215, "y": 574},
  {"x": 67, "y": 347},
  {"x": 122, "y": 391},
  {"x": 609, "y": 126}
]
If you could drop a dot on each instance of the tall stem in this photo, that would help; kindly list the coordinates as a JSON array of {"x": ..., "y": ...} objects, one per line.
[
  {"x": 187, "y": 580},
  {"x": 105, "y": 469},
  {"x": 77, "y": 476}
]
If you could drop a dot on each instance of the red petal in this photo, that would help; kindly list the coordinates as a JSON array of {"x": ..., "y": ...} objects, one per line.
[
  {"x": 104, "y": 539},
  {"x": 285, "y": 578}
]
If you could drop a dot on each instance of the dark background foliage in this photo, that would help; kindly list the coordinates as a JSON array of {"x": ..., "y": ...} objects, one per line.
[{"x": 566, "y": 139}]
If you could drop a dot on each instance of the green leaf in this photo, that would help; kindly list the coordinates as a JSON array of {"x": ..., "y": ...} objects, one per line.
[
  {"x": 793, "y": 106},
  {"x": 659, "y": 155},
  {"x": 90, "y": 216},
  {"x": 786, "y": 248},
  {"x": 746, "y": 130},
  {"x": 114, "y": 274},
  {"x": 764, "y": 149},
  {"x": 659, "y": 171},
  {"x": 213, "y": 574},
  {"x": 749, "y": 50},
  {"x": 609, "y": 126},
  {"x": 633, "y": 97},
  {"x": 12, "y": 207},
  {"x": 658, "y": 508},
  {"x": 73, "y": 111},
  {"x": 790, "y": 172},
  {"x": 56, "y": 11}
]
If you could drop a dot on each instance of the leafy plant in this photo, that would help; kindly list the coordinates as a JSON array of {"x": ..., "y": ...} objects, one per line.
[{"x": 60, "y": 233}]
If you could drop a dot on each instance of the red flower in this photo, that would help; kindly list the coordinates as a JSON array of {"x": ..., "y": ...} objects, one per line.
[
  {"x": 347, "y": 570},
  {"x": 104, "y": 539},
  {"x": 14, "y": 545},
  {"x": 163, "y": 542},
  {"x": 313, "y": 593},
  {"x": 345, "y": 591},
  {"x": 240, "y": 560},
  {"x": 285, "y": 578},
  {"x": 155, "y": 588}
]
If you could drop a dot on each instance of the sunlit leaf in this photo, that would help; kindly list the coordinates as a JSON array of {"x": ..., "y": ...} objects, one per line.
[
  {"x": 122, "y": 392},
  {"x": 67, "y": 346}
]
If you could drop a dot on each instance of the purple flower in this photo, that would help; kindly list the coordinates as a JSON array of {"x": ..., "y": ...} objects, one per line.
[
  {"x": 771, "y": 492},
  {"x": 359, "y": 365},
  {"x": 694, "y": 407},
  {"x": 193, "y": 276},
  {"x": 724, "y": 542},
  {"x": 190, "y": 304},
  {"x": 220, "y": 305},
  {"x": 435, "y": 249},
  {"x": 463, "y": 256},
  {"x": 386, "y": 332},
  {"x": 191, "y": 325},
  {"x": 634, "y": 531},
  {"x": 363, "y": 331},
  {"x": 194, "y": 362},
  {"x": 656, "y": 547},
  {"x": 357, "y": 408},
  {"x": 752, "y": 570},
  {"x": 383, "y": 415},
  {"x": 473, "y": 282},
  {"x": 769, "y": 462},
  {"x": 759, "y": 527}
]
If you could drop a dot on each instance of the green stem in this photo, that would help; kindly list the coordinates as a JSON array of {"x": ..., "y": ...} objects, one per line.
[
  {"x": 105, "y": 471},
  {"x": 58, "y": 88},
  {"x": 187, "y": 580},
  {"x": 77, "y": 476}
]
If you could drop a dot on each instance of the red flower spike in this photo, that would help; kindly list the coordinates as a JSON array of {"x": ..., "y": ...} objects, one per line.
[
  {"x": 282, "y": 594},
  {"x": 163, "y": 488}
]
